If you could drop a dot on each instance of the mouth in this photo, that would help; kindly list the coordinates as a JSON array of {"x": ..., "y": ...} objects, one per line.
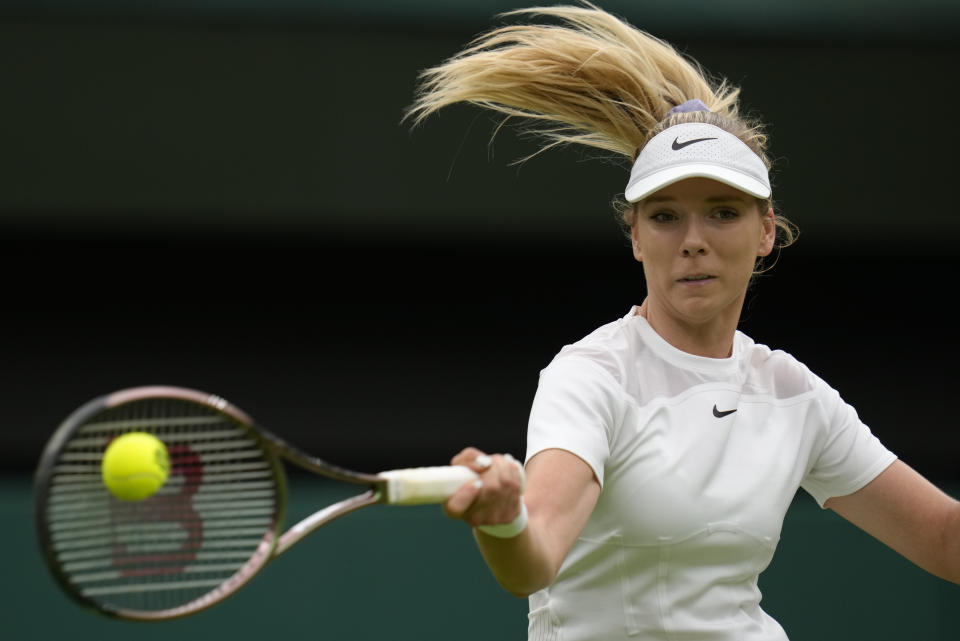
[{"x": 697, "y": 278}]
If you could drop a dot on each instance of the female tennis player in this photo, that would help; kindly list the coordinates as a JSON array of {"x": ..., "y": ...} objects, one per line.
[{"x": 665, "y": 447}]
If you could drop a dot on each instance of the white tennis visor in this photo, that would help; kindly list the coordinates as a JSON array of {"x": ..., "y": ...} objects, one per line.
[{"x": 696, "y": 149}]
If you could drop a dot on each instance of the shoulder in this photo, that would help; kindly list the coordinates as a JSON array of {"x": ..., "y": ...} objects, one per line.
[
  {"x": 777, "y": 372},
  {"x": 606, "y": 348}
]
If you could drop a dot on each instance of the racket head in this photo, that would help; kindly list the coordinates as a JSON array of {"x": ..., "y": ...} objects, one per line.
[{"x": 212, "y": 526}]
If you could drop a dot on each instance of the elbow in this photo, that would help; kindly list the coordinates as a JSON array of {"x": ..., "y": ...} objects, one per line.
[
  {"x": 523, "y": 592},
  {"x": 522, "y": 587},
  {"x": 951, "y": 546}
]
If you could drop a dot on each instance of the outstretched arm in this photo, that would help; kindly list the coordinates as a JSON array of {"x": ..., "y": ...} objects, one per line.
[
  {"x": 908, "y": 513},
  {"x": 561, "y": 492}
]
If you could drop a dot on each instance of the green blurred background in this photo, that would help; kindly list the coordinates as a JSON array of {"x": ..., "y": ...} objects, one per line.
[
  {"x": 220, "y": 195},
  {"x": 410, "y": 573}
]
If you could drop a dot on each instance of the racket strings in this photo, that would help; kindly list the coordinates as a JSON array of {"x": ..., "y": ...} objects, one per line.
[{"x": 210, "y": 523}]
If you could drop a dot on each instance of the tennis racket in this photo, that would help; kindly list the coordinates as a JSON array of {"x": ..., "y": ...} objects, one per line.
[{"x": 213, "y": 525}]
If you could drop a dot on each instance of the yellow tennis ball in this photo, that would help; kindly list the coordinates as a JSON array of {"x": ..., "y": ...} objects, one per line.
[{"x": 135, "y": 465}]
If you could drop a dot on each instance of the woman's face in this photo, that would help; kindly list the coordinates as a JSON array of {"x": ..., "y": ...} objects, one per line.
[{"x": 698, "y": 240}]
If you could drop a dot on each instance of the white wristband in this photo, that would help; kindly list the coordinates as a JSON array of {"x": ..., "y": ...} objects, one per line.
[{"x": 508, "y": 530}]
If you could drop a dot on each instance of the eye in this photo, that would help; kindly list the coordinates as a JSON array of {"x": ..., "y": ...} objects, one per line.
[
  {"x": 726, "y": 213},
  {"x": 663, "y": 217}
]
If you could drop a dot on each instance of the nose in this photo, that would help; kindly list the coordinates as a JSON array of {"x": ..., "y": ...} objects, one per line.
[{"x": 694, "y": 243}]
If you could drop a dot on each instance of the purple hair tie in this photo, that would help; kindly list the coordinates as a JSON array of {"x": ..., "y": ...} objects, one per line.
[{"x": 688, "y": 106}]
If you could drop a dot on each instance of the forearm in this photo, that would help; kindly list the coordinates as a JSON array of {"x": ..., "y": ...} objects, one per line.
[
  {"x": 531, "y": 560},
  {"x": 561, "y": 492},
  {"x": 522, "y": 564},
  {"x": 951, "y": 546},
  {"x": 909, "y": 514}
]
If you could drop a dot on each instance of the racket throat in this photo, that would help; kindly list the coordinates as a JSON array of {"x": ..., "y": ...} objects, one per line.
[{"x": 324, "y": 516}]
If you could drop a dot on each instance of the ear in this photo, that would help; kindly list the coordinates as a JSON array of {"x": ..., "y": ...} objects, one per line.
[
  {"x": 768, "y": 233},
  {"x": 635, "y": 242}
]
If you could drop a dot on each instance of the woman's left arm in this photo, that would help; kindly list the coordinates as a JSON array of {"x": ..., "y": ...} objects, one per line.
[{"x": 905, "y": 511}]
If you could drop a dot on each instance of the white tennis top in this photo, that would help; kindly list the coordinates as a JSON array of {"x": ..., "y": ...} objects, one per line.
[{"x": 699, "y": 459}]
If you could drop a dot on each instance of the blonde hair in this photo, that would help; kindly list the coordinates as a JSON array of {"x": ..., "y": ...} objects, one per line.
[{"x": 588, "y": 79}]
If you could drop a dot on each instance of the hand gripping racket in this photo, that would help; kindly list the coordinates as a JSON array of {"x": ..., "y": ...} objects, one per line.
[{"x": 214, "y": 524}]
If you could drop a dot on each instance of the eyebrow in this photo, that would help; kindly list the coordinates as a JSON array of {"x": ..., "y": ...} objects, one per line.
[{"x": 711, "y": 199}]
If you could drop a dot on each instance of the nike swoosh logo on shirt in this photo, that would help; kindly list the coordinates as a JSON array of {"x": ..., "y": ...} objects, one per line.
[
  {"x": 677, "y": 145},
  {"x": 720, "y": 414}
]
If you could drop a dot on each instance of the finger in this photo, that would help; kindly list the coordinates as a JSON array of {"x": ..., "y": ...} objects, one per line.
[
  {"x": 457, "y": 505},
  {"x": 519, "y": 472},
  {"x": 466, "y": 456},
  {"x": 502, "y": 493},
  {"x": 475, "y": 459},
  {"x": 482, "y": 462},
  {"x": 505, "y": 473}
]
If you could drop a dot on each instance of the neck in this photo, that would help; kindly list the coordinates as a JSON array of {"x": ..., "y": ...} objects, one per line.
[{"x": 712, "y": 338}]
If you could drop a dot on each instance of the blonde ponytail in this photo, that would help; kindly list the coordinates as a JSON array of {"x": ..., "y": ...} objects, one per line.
[{"x": 588, "y": 79}]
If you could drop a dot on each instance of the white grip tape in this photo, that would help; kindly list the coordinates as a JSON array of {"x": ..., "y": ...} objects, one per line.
[{"x": 423, "y": 485}]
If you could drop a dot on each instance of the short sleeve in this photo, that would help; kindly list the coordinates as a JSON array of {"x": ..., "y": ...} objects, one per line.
[
  {"x": 576, "y": 408},
  {"x": 848, "y": 457}
]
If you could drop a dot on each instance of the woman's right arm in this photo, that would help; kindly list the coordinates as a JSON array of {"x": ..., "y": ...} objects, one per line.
[{"x": 561, "y": 492}]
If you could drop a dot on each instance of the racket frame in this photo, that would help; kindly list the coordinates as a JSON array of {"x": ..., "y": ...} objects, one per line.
[{"x": 275, "y": 541}]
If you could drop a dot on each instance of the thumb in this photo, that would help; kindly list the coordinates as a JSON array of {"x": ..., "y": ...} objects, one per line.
[{"x": 461, "y": 500}]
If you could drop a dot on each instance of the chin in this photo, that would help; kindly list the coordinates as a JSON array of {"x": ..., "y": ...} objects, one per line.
[
  {"x": 702, "y": 310},
  {"x": 699, "y": 316}
]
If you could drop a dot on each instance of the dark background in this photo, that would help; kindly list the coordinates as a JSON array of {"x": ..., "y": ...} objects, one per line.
[{"x": 222, "y": 196}]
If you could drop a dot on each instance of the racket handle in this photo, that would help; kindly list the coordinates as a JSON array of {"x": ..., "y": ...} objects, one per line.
[{"x": 422, "y": 485}]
